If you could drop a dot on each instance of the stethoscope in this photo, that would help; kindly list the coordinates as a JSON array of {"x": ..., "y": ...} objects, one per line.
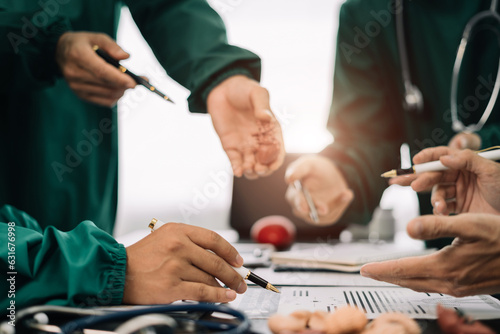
[
  {"x": 413, "y": 100},
  {"x": 131, "y": 320}
]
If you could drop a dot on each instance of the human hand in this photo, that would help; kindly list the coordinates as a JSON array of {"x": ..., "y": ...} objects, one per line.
[
  {"x": 174, "y": 263},
  {"x": 88, "y": 75},
  {"x": 248, "y": 131},
  {"x": 471, "y": 184},
  {"x": 469, "y": 266},
  {"x": 461, "y": 141},
  {"x": 326, "y": 185}
]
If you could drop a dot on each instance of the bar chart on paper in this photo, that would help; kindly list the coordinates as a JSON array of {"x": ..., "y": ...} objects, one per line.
[{"x": 375, "y": 301}]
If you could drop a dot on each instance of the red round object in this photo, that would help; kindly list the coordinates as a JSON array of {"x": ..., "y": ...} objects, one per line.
[{"x": 276, "y": 230}]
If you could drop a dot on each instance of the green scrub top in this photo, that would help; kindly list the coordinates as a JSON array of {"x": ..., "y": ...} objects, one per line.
[
  {"x": 59, "y": 153},
  {"x": 367, "y": 118}
]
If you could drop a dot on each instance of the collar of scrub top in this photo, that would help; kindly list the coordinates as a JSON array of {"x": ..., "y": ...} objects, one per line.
[{"x": 413, "y": 99}]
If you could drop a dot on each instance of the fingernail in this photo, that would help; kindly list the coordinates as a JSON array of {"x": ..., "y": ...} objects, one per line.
[
  {"x": 230, "y": 294},
  {"x": 365, "y": 273},
  {"x": 239, "y": 260},
  {"x": 463, "y": 142},
  {"x": 267, "y": 111},
  {"x": 241, "y": 288}
]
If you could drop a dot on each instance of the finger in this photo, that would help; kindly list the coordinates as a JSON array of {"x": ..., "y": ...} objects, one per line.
[
  {"x": 101, "y": 70},
  {"x": 298, "y": 170},
  {"x": 109, "y": 45},
  {"x": 204, "y": 293},
  {"x": 208, "y": 239},
  {"x": 236, "y": 161},
  {"x": 465, "y": 226},
  {"x": 193, "y": 274},
  {"x": 441, "y": 193},
  {"x": 248, "y": 161},
  {"x": 431, "y": 154},
  {"x": 259, "y": 98},
  {"x": 403, "y": 180},
  {"x": 214, "y": 265},
  {"x": 396, "y": 270},
  {"x": 469, "y": 161},
  {"x": 465, "y": 140},
  {"x": 425, "y": 181}
]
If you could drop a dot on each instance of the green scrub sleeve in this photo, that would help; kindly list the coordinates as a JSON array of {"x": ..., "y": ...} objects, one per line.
[
  {"x": 366, "y": 136},
  {"x": 490, "y": 135},
  {"x": 82, "y": 267},
  {"x": 189, "y": 40},
  {"x": 29, "y": 45}
]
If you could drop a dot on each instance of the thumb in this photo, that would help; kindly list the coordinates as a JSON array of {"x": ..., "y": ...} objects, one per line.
[
  {"x": 109, "y": 45},
  {"x": 465, "y": 140},
  {"x": 260, "y": 102}
]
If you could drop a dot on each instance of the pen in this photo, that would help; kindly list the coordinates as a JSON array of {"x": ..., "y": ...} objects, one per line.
[
  {"x": 435, "y": 166},
  {"x": 138, "y": 79},
  {"x": 313, "y": 213},
  {"x": 247, "y": 274}
]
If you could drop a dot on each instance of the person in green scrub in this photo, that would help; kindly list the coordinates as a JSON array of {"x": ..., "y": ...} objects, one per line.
[
  {"x": 58, "y": 135},
  {"x": 368, "y": 119}
]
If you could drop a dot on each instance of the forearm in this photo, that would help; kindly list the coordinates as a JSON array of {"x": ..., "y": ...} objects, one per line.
[{"x": 82, "y": 267}]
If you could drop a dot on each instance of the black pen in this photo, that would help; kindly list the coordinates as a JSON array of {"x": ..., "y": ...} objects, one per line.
[
  {"x": 247, "y": 274},
  {"x": 138, "y": 79}
]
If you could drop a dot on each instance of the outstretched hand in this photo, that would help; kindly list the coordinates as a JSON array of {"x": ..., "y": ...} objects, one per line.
[
  {"x": 469, "y": 266},
  {"x": 248, "y": 130}
]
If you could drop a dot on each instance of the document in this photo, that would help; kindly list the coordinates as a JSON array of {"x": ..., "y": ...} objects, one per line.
[{"x": 258, "y": 303}]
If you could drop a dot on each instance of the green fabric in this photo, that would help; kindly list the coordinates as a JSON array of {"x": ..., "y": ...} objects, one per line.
[
  {"x": 82, "y": 267},
  {"x": 367, "y": 118},
  {"x": 59, "y": 153}
]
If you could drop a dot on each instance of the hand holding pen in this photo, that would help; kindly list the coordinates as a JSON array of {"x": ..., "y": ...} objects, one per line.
[
  {"x": 242, "y": 271},
  {"x": 461, "y": 180},
  {"x": 321, "y": 192},
  {"x": 172, "y": 263},
  {"x": 89, "y": 76}
]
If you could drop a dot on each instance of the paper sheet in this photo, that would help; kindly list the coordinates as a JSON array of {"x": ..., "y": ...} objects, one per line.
[
  {"x": 315, "y": 278},
  {"x": 258, "y": 303}
]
